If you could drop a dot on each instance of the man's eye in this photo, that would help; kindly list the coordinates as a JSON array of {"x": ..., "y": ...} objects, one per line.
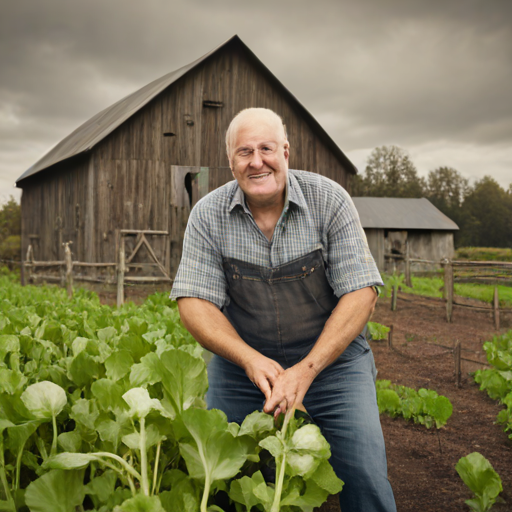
[{"x": 245, "y": 152}]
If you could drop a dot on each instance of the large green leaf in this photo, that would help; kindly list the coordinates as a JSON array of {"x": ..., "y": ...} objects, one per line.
[
  {"x": 210, "y": 449},
  {"x": 242, "y": 491},
  {"x": 44, "y": 399},
  {"x": 108, "y": 394},
  {"x": 118, "y": 364},
  {"x": 478, "y": 474},
  {"x": 12, "y": 381},
  {"x": 57, "y": 491},
  {"x": 141, "y": 503},
  {"x": 184, "y": 378},
  {"x": 83, "y": 369}
]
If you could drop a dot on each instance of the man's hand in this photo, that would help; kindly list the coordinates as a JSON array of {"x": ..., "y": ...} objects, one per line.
[
  {"x": 289, "y": 389},
  {"x": 263, "y": 373}
]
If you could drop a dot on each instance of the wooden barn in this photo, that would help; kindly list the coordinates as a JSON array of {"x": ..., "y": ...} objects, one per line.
[
  {"x": 121, "y": 185},
  {"x": 395, "y": 226}
]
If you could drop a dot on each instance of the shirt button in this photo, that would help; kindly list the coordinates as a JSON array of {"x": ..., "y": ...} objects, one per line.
[{"x": 236, "y": 276}]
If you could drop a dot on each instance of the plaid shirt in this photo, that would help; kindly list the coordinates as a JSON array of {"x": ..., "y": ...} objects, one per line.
[{"x": 318, "y": 214}]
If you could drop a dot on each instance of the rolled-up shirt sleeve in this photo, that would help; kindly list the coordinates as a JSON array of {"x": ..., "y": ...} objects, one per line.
[
  {"x": 350, "y": 263},
  {"x": 200, "y": 272}
]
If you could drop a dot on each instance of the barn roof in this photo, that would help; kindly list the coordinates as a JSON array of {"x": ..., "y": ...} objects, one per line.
[
  {"x": 400, "y": 213},
  {"x": 93, "y": 131}
]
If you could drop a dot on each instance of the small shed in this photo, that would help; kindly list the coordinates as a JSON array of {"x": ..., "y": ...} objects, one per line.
[
  {"x": 391, "y": 224},
  {"x": 129, "y": 175}
]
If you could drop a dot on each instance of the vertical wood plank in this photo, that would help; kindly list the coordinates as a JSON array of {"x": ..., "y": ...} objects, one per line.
[
  {"x": 496, "y": 309},
  {"x": 448, "y": 289},
  {"x": 120, "y": 273},
  {"x": 408, "y": 280},
  {"x": 69, "y": 269},
  {"x": 394, "y": 297},
  {"x": 457, "y": 362}
]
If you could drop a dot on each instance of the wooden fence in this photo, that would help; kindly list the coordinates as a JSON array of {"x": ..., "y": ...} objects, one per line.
[{"x": 68, "y": 275}]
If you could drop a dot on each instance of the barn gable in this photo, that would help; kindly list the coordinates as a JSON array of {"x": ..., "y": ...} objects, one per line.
[{"x": 140, "y": 164}]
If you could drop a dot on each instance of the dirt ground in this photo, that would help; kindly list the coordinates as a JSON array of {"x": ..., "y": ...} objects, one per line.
[{"x": 421, "y": 464}]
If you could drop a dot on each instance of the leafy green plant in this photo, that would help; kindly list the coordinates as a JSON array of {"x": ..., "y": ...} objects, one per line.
[
  {"x": 424, "y": 406},
  {"x": 377, "y": 331},
  {"x": 478, "y": 474},
  {"x": 497, "y": 380},
  {"x": 107, "y": 405}
]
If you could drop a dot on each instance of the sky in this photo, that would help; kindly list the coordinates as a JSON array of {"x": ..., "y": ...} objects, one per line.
[{"x": 433, "y": 77}]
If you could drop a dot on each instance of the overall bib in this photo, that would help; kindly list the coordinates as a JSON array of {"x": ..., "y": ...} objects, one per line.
[{"x": 281, "y": 312}]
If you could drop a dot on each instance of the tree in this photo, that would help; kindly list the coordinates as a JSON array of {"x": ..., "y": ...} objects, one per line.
[
  {"x": 10, "y": 230},
  {"x": 389, "y": 173},
  {"x": 486, "y": 216}
]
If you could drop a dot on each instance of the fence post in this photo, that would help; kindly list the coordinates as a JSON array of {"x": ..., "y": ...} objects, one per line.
[
  {"x": 120, "y": 272},
  {"x": 456, "y": 356},
  {"x": 496, "y": 309},
  {"x": 390, "y": 337},
  {"x": 448, "y": 289},
  {"x": 394, "y": 295},
  {"x": 69, "y": 269},
  {"x": 408, "y": 280}
]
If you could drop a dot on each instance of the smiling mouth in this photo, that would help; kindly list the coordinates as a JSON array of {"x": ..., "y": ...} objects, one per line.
[{"x": 259, "y": 176}]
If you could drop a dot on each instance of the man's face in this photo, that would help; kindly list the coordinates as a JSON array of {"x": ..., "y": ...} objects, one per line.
[{"x": 259, "y": 161}]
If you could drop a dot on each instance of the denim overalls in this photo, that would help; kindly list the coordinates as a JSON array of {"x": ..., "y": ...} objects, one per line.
[{"x": 281, "y": 312}]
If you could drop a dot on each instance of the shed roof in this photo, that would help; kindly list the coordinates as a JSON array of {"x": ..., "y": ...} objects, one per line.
[
  {"x": 401, "y": 213},
  {"x": 93, "y": 131}
]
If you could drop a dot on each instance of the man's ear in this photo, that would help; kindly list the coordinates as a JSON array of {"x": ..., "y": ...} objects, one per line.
[{"x": 287, "y": 150}]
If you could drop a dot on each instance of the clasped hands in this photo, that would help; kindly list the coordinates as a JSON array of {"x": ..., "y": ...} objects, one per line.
[{"x": 283, "y": 389}]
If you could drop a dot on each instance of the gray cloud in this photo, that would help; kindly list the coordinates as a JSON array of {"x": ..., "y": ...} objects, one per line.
[{"x": 401, "y": 71}]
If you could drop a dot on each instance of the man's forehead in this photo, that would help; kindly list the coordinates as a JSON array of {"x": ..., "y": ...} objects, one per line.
[{"x": 259, "y": 127}]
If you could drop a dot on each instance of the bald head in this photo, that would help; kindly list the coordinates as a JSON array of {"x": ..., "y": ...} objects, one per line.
[{"x": 251, "y": 116}]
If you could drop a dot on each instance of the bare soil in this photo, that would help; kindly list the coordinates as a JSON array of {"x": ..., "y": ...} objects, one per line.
[{"x": 421, "y": 462}]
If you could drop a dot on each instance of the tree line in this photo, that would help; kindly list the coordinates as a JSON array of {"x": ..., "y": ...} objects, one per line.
[
  {"x": 483, "y": 211},
  {"x": 10, "y": 230}
]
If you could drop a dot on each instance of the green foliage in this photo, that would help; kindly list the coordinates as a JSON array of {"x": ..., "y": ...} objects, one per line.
[
  {"x": 117, "y": 395},
  {"x": 433, "y": 286},
  {"x": 424, "y": 406},
  {"x": 389, "y": 173},
  {"x": 10, "y": 230},
  {"x": 484, "y": 253},
  {"x": 377, "y": 331},
  {"x": 478, "y": 474},
  {"x": 497, "y": 380}
]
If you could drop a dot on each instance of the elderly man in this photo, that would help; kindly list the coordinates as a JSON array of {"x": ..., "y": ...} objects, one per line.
[{"x": 277, "y": 280}]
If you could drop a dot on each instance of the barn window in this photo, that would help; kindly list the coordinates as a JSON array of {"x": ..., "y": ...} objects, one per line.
[{"x": 212, "y": 104}]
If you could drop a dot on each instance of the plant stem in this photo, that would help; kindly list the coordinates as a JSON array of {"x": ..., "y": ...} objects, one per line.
[
  {"x": 129, "y": 469},
  {"x": 3, "y": 477},
  {"x": 54, "y": 443},
  {"x": 155, "y": 471},
  {"x": 281, "y": 466},
  {"x": 18, "y": 468},
  {"x": 206, "y": 492},
  {"x": 143, "y": 457}
]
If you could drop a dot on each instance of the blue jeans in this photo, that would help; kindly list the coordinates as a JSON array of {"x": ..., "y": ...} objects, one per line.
[{"x": 342, "y": 402}]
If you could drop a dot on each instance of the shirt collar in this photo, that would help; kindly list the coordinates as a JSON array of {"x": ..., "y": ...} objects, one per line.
[{"x": 294, "y": 195}]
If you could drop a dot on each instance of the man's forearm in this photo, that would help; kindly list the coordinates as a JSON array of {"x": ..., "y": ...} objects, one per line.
[
  {"x": 346, "y": 321},
  {"x": 213, "y": 331}
]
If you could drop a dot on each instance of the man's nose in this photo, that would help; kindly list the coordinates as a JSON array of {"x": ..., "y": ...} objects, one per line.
[{"x": 256, "y": 160}]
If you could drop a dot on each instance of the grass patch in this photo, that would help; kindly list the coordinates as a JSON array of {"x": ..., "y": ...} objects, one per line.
[
  {"x": 484, "y": 254},
  {"x": 433, "y": 287}
]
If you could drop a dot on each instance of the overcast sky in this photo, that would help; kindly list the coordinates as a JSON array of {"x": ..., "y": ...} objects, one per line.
[{"x": 433, "y": 77}]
